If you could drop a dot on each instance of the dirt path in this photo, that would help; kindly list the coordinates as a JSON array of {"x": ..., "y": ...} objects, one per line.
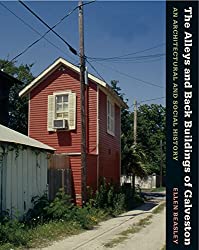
[{"x": 151, "y": 237}]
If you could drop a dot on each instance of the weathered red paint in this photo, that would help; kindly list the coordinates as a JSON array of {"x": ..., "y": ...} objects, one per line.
[
  {"x": 109, "y": 146},
  {"x": 70, "y": 141}
]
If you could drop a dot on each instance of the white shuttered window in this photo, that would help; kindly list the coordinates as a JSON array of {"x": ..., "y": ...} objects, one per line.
[
  {"x": 62, "y": 106},
  {"x": 110, "y": 117}
]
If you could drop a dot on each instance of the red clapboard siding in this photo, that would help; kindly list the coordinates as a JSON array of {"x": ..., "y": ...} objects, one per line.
[
  {"x": 66, "y": 141},
  {"x": 109, "y": 146},
  {"x": 92, "y": 171},
  {"x": 92, "y": 118},
  {"x": 62, "y": 141},
  {"x": 75, "y": 163}
]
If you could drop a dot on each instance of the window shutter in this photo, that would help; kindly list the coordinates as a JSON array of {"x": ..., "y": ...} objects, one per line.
[
  {"x": 51, "y": 111},
  {"x": 72, "y": 111}
]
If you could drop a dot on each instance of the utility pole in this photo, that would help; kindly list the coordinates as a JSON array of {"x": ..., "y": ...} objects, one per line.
[
  {"x": 135, "y": 122},
  {"x": 83, "y": 116},
  {"x": 161, "y": 163},
  {"x": 135, "y": 138}
]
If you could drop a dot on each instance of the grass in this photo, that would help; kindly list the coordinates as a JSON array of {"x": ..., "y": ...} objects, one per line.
[
  {"x": 164, "y": 247},
  {"x": 132, "y": 230},
  {"x": 135, "y": 228},
  {"x": 159, "y": 189},
  {"x": 44, "y": 234},
  {"x": 115, "y": 242},
  {"x": 50, "y": 221},
  {"x": 159, "y": 208}
]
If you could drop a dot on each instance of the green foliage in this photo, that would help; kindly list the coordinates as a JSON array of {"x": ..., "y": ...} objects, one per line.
[
  {"x": 114, "y": 200},
  {"x": 18, "y": 107},
  {"x": 151, "y": 128},
  {"x": 13, "y": 231},
  {"x": 48, "y": 221},
  {"x": 37, "y": 214},
  {"x": 60, "y": 208}
]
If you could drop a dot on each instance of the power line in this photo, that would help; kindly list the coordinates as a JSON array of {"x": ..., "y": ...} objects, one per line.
[
  {"x": 96, "y": 71},
  {"x": 33, "y": 29},
  {"x": 130, "y": 76},
  {"x": 74, "y": 51},
  {"x": 158, "y": 98},
  {"x": 153, "y": 99},
  {"x": 136, "y": 61},
  {"x": 121, "y": 56},
  {"x": 42, "y": 36},
  {"x": 50, "y": 28},
  {"x": 133, "y": 58}
]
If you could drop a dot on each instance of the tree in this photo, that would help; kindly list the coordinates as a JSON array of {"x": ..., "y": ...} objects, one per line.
[
  {"x": 18, "y": 107},
  {"x": 145, "y": 157},
  {"x": 151, "y": 128},
  {"x": 132, "y": 156}
]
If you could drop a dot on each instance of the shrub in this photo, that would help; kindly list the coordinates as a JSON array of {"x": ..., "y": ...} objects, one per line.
[
  {"x": 61, "y": 207},
  {"x": 14, "y": 232},
  {"x": 84, "y": 218},
  {"x": 119, "y": 203},
  {"x": 37, "y": 214}
]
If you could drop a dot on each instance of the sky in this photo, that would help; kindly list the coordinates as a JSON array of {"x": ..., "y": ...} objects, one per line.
[{"x": 111, "y": 29}]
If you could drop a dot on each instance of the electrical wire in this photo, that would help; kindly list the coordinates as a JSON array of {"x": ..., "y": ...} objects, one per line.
[
  {"x": 153, "y": 99},
  {"x": 125, "y": 55},
  {"x": 43, "y": 36},
  {"x": 50, "y": 28},
  {"x": 95, "y": 70},
  {"x": 33, "y": 29},
  {"x": 135, "y": 58},
  {"x": 158, "y": 98},
  {"x": 131, "y": 77},
  {"x": 74, "y": 51}
]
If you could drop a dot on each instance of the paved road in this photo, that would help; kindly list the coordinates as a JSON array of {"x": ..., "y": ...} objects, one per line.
[{"x": 151, "y": 237}]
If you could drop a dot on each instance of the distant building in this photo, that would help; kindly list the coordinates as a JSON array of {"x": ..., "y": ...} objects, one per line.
[{"x": 6, "y": 82}]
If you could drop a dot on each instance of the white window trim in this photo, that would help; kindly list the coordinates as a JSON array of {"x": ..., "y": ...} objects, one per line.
[
  {"x": 113, "y": 104},
  {"x": 56, "y": 94}
]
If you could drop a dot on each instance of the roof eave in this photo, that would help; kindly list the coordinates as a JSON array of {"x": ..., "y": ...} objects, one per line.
[{"x": 54, "y": 66}]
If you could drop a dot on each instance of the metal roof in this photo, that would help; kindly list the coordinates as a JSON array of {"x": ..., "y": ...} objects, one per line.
[{"x": 9, "y": 135}]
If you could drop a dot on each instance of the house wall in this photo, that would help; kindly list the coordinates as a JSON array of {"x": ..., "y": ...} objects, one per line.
[
  {"x": 62, "y": 141},
  {"x": 68, "y": 142},
  {"x": 23, "y": 176},
  {"x": 109, "y": 146}
]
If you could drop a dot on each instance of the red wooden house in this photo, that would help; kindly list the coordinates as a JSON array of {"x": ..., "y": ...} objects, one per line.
[{"x": 54, "y": 119}]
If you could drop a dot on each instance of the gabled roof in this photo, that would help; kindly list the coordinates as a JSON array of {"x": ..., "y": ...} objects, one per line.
[
  {"x": 56, "y": 65},
  {"x": 9, "y": 135}
]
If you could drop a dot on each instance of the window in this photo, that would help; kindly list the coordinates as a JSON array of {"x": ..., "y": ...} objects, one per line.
[
  {"x": 61, "y": 106},
  {"x": 110, "y": 117},
  {"x": 61, "y": 110}
]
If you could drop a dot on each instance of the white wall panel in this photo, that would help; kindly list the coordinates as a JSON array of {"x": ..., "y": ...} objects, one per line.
[{"x": 26, "y": 176}]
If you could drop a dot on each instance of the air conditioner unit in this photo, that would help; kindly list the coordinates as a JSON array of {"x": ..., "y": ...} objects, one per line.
[{"x": 60, "y": 124}]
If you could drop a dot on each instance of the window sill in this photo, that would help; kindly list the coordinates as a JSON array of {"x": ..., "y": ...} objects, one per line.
[{"x": 110, "y": 133}]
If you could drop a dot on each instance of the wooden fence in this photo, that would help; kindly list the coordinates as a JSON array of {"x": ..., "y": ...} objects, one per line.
[{"x": 59, "y": 175}]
